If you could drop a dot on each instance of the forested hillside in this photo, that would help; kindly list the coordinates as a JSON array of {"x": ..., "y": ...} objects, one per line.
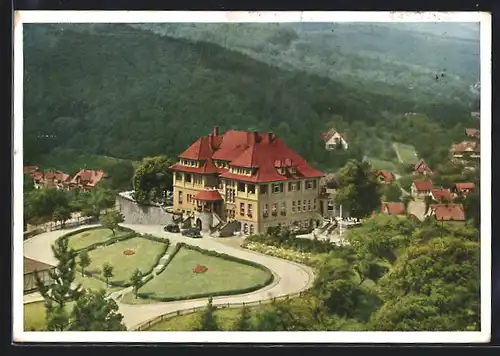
[{"x": 127, "y": 93}]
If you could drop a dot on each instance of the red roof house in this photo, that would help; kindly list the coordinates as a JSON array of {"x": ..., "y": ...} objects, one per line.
[
  {"x": 385, "y": 176},
  {"x": 421, "y": 168},
  {"x": 30, "y": 169},
  {"x": 421, "y": 188},
  {"x": 392, "y": 208},
  {"x": 332, "y": 137},
  {"x": 447, "y": 212},
  {"x": 470, "y": 132},
  {"x": 463, "y": 188},
  {"x": 50, "y": 178},
  {"x": 87, "y": 178},
  {"x": 264, "y": 156},
  {"x": 441, "y": 194}
]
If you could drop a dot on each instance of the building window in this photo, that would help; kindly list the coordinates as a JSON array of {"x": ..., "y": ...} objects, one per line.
[
  {"x": 188, "y": 198},
  {"x": 265, "y": 212},
  {"x": 245, "y": 228},
  {"x": 298, "y": 208},
  {"x": 275, "y": 208},
  {"x": 277, "y": 188},
  {"x": 198, "y": 179},
  {"x": 178, "y": 176},
  {"x": 180, "y": 197},
  {"x": 250, "y": 210},
  {"x": 309, "y": 205},
  {"x": 251, "y": 188},
  {"x": 251, "y": 229},
  {"x": 188, "y": 178},
  {"x": 293, "y": 203},
  {"x": 263, "y": 188},
  {"x": 241, "y": 187},
  {"x": 309, "y": 184},
  {"x": 298, "y": 186},
  {"x": 242, "y": 208},
  {"x": 304, "y": 206},
  {"x": 283, "y": 209}
]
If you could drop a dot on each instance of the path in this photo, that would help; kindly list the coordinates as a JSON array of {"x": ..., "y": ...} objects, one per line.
[
  {"x": 290, "y": 277},
  {"x": 397, "y": 152}
]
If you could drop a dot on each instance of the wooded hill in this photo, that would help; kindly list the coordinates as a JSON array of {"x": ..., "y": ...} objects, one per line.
[{"x": 122, "y": 92}]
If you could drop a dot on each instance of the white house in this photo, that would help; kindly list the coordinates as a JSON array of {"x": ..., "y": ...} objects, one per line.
[{"x": 333, "y": 138}]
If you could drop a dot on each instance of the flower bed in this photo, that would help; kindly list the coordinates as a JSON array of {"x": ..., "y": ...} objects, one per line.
[
  {"x": 306, "y": 258},
  {"x": 200, "y": 269},
  {"x": 128, "y": 252}
]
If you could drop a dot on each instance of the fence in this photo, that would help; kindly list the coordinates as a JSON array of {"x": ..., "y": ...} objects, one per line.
[
  {"x": 146, "y": 325},
  {"x": 56, "y": 226}
]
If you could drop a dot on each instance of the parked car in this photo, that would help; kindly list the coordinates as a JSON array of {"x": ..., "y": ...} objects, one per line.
[
  {"x": 172, "y": 228},
  {"x": 192, "y": 232}
]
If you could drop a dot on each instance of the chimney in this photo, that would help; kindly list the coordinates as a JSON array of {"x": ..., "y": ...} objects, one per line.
[
  {"x": 270, "y": 137},
  {"x": 215, "y": 131}
]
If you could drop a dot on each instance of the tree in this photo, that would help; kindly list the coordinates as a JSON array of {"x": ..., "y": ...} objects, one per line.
[
  {"x": 107, "y": 272},
  {"x": 244, "y": 322},
  {"x": 112, "y": 219},
  {"x": 120, "y": 175},
  {"x": 97, "y": 200},
  {"x": 392, "y": 192},
  {"x": 152, "y": 178},
  {"x": 208, "y": 321},
  {"x": 84, "y": 261},
  {"x": 136, "y": 280},
  {"x": 62, "y": 214},
  {"x": 433, "y": 286},
  {"x": 94, "y": 312},
  {"x": 359, "y": 189},
  {"x": 28, "y": 185},
  {"x": 62, "y": 291}
]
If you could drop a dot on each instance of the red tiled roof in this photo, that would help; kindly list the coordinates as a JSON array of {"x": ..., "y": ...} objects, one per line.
[
  {"x": 448, "y": 212},
  {"x": 471, "y": 132},
  {"x": 442, "y": 194},
  {"x": 393, "y": 208},
  {"x": 464, "y": 186},
  {"x": 386, "y": 174},
  {"x": 264, "y": 152},
  {"x": 30, "y": 169},
  {"x": 208, "y": 195},
  {"x": 422, "y": 167},
  {"x": 329, "y": 134},
  {"x": 423, "y": 185},
  {"x": 88, "y": 177}
]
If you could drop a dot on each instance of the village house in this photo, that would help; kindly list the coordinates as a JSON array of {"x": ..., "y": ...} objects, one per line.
[
  {"x": 248, "y": 177},
  {"x": 50, "y": 179},
  {"x": 446, "y": 212},
  {"x": 421, "y": 188},
  {"x": 465, "y": 150},
  {"x": 86, "y": 179},
  {"x": 30, "y": 169},
  {"x": 391, "y": 208},
  {"x": 385, "y": 176},
  {"x": 30, "y": 268},
  {"x": 462, "y": 189},
  {"x": 441, "y": 195},
  {"x": 421, "y": 168},
  {"x": 472, "y": 133},
  {"x": 334, "y": 139}
]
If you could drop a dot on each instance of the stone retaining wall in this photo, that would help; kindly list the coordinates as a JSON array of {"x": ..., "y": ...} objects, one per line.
[{"x": 142, "y": 214}]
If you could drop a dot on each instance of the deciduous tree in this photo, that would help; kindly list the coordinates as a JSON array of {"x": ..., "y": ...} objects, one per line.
[
  {"x": 84, "y": 261},
  {"x": 107, "y": 272},
  {"x": 152, "y": 178},
  {"x": 136, "y": 280},
  {"x": 112, "y": 220}
]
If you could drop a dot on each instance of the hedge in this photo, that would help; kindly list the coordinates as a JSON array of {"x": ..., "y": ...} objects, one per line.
[
  {"x": 268, "y": 281},
  {"x": 177, "y": 247}
]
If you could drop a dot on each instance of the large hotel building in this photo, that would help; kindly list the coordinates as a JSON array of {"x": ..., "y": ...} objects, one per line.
[{"x": 248, "y": 177}]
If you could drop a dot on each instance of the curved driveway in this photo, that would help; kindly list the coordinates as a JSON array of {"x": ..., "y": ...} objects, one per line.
[{"x": 290, "y": 277}]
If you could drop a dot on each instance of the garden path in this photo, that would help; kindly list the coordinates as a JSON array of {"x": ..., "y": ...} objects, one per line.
[{"x": 290, "y": 277}]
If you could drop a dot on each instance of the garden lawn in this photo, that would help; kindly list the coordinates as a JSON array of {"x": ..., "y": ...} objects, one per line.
[
  {"x": 407, "y": 153},
  {"x": 34, "y": 316},
  {"x": 92, "y": 283},
  {"x": 146, "y": 256},
  {"x": 178, "y": 280},
  {"x": 89, "y": 237}
]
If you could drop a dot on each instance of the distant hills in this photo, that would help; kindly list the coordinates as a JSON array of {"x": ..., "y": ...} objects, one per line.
[{"x": 126, "y": 92}]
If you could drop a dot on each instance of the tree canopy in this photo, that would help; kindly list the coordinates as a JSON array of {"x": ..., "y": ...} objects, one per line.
[{"x": 152, "y": 179}]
